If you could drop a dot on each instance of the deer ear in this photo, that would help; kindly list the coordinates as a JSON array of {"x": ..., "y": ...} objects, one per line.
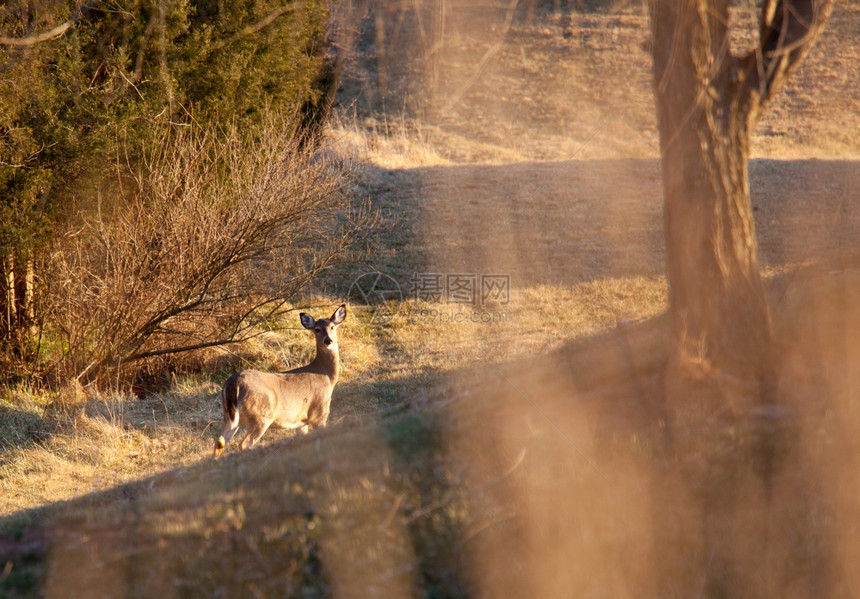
[
  {"x": 339, "y": 315},
  {"x": 307, "y": 320}
]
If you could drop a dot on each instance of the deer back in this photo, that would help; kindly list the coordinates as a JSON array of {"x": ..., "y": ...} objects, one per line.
[{"x": 284, "y": 397}]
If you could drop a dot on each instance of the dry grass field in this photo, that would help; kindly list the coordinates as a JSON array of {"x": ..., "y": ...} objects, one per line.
[{"x": 504, "y": 448}]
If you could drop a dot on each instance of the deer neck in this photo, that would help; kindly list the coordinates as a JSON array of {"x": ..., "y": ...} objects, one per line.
[{"x": 327, "y": 361}]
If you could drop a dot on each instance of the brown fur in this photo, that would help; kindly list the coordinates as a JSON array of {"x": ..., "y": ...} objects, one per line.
[{"x": 297, "y": 399}]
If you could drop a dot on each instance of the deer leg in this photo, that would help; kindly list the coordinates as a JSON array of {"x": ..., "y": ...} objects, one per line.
[
  {"x": 251, "y": 424},
  {"x": 320, "y": 419},
  {"x": 230, "y": 428},
  {"x": 324, "y": 420},
  {"x": 229, "y": 431},
  {"x": 259, "y": 429},
  {"x": 246, "y": 440}
]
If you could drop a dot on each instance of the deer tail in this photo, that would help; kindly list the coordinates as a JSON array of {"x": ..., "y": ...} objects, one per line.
[
  {"x": 230, "y": 400},
  {"x": 230, "y": 405}
]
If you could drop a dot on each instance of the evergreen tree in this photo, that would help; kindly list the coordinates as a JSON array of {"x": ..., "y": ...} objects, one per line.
[{"x": 84, "y": 87}]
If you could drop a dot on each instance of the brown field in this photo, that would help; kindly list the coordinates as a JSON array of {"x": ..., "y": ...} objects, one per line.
[{"x": 519, "y": 457}]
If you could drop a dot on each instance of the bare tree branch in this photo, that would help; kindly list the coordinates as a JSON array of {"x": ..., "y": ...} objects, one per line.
[
  {"x": 51, "y": 34},
  {"x": 220, "y": 234},
  {"x": 789, "y": 28},
  {"x": 250, "y": 29},
  {"x": 238, "y": 334}
]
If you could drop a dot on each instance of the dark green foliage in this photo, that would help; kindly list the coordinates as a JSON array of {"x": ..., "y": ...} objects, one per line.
[
  {"x": 125, "y": 68},
  {"x": 78, "y": 110}
]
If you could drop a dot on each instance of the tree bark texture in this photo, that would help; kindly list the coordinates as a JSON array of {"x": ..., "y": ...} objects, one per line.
[
  {"x": 715, "y": 536},
  {"x": 17, "y": 299},
  {"x": 10, "y": 306},
  {"x": 708, "y": 102}
]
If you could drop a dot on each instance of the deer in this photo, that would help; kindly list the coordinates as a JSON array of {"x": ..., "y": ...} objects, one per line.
[{"x": 296, "y": 399}]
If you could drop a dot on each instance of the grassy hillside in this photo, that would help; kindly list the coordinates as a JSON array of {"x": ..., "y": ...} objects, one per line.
[
  {"x": 499, "y": 479},
  {"x": 508, "y": 448}
]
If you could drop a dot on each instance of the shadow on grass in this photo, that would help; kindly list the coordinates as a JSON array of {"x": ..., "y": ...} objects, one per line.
[
  {"x": 569, "y": 222},
  {"x": 354, "y": 509},
  {"x": 21, "y": 428},
  {"x": 550, "y": 477}
]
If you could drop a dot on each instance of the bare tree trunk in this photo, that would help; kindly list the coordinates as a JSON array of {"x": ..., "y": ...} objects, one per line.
[
  {"x": 28, "y": 303},
  {"x": 721, "y": 376},
  {"x": 10, "y": 312},
  {"x": 381, "y": 22},
  {"x": 708, "y": 102},
  {"x": 720, "y": 324},
  {"x": 18, "y": 298}
]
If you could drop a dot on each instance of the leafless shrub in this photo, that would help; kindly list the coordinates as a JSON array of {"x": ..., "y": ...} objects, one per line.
[{"x": 214, "y": 234}]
